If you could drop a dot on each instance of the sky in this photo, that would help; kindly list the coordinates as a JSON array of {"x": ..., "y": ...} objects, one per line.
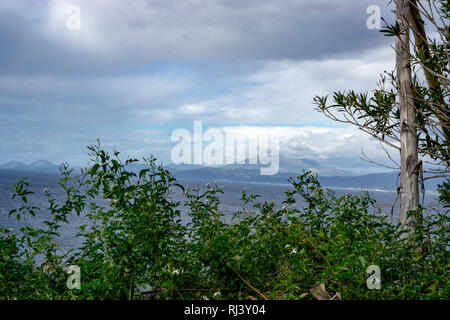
[{"x": 137, "y": 70}]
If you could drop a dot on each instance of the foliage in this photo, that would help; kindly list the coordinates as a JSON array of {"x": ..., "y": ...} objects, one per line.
[{"x": 138, "y": 239}]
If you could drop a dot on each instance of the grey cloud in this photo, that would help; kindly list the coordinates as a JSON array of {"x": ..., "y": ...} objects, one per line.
[
  {"x": 136, "y": 35},
  {"x": 138, "y": 64}
]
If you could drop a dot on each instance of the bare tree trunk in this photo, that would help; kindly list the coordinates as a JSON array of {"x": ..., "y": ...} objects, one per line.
[
  {"x": 409, "y": 191},
  {"x": 421, "y": 42}
]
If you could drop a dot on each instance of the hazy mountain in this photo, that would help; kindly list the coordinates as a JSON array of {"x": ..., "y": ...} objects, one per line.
[
  {"x": 43, "y": 165},
  {"x": 14, "y": 165},
  {"x": 297, "y": 166},
  {"x": 39, "y": 165}
]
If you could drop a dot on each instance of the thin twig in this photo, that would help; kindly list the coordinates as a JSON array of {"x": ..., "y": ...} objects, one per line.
[{"x": 249, "y": 285}]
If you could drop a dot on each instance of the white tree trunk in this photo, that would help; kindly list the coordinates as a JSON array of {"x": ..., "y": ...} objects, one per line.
[{"x": 409, "y": 191}]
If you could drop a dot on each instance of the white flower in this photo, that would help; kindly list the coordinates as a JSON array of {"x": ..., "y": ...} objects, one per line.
[
  {"x": 294, "y": 251},
  {"x": 176, "y": 272},
  {"x": 216, "y": 294},
  {"x": 287, "y": 246},
  {"x": 45, "y": 190},
  {"x": 205, "y": 298}
]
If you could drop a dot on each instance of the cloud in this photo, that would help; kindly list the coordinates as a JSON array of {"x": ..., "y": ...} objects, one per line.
[
  {"x": 279, "y": 92},
  {"x": 282, "y": 92},
  {"x": 117, "y": 37},
  {"x": 138, "y": 69},
  {"x": 323, "y": 143}
]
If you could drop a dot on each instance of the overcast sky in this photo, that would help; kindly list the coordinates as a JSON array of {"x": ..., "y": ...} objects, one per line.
[{"x": 137, "y": 70}]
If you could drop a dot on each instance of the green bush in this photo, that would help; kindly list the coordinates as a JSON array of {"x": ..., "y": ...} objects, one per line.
[{"x": 318, "y": 251}]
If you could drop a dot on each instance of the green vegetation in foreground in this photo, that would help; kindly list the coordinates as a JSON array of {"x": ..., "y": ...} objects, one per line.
[{"x": 264, "y": 253}]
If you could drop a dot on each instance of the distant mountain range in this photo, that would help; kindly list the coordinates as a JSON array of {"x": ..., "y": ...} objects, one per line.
[
  {"x": 289, "y": 165},
  {"x": 286, "y": 165},
  {"x": 250, "y": 173},
  {"x": 39, "y": 165},
  {"x": 370, "y": 181}
]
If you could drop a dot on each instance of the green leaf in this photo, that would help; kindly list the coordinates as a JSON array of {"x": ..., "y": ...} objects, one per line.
[{"x": 362, "y": 261}]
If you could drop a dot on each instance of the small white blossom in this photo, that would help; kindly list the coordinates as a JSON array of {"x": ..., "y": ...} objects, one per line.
[
  {"x": 216, "y": 294},
  {"x": 176, "y": 272},
  {"x": 287, "y": 246},
  {"x": 294, "y": 251}
]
